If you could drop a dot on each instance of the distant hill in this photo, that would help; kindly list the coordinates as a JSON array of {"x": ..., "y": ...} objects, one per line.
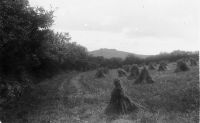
[{"x": 110, "y": 53}]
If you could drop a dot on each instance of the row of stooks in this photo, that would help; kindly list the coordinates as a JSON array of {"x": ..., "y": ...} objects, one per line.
[
  {"x": 144, "y": 76},
  {"x": 141, "y": 77},
  {"x": 119, "y": 102}
]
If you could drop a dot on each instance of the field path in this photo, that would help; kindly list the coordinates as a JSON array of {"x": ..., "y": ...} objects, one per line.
[
  {"x": 81, "y": 98},
  {"x": 76, "y": 83},
  {"x": 52, "y": 106},
  {"x": 83, "y": 102},
  {"x": 65, "y": 98},
  {"x": 48, "y": 102},
  {"x": 89, "y": 107}
]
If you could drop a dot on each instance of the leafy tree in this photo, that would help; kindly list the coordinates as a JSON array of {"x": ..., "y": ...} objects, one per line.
[{"x": 22, "y": 32}]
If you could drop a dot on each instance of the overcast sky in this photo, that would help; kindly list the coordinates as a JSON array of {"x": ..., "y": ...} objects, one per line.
[{"x": 138, "y": 26}]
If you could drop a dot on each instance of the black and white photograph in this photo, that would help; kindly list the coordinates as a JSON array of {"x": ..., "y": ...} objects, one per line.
[{"x": 99, "y": 61}]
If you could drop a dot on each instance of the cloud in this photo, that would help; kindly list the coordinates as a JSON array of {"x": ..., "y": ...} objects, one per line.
[{"x": 129, "y": 24}]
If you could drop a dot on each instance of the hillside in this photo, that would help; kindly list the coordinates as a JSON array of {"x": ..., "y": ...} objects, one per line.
[{"x": 110, "y": 53}]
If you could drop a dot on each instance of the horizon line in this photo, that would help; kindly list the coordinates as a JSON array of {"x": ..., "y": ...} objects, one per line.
[{"x": 161, "y": 52}]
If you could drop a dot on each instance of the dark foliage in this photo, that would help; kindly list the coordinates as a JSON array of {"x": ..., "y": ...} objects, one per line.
[
  {"x": 28, "y": 45},
  {"x": 132, "y": 59},
  {"x": 162, "y": 58},
  {"x": 172, "y": 57}
]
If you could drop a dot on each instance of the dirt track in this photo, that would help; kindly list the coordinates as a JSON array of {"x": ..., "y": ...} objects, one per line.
[{"x": 63, "y": 99}]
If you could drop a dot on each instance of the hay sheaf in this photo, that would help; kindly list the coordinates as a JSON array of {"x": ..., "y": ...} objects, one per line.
[
  {"x": 134, "y": 72},
  {"x": 121, "y": 73},
  {"x": 151, "y": 67},
  {"x": 193, "y": 62},
  {"x": 101, "y": 72},
  {"x": 126, "y": 68},
  {"x": 144, "y": 77},
  {"x": 119, "y": 102},
  {"x": 162, "y": 66},
  {"x": 181, "y": 66}
]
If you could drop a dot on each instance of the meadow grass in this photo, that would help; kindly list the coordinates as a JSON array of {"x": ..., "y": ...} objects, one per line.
[
  {"x": 82, "y": 98},
  {"x": 173, "y": 98}
]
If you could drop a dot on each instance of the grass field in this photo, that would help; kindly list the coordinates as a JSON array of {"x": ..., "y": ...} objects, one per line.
[
  {"x": 173, "y": 98},
  {"x": 81, "y": 98}
]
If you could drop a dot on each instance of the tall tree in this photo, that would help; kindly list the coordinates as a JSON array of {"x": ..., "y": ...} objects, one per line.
[{"x": 22, "y": 30}]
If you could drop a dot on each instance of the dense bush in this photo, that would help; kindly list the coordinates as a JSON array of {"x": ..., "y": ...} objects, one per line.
[
  {"x": 132, "y": 59},
  {"x": 172, "y": 57},
  {"x": 162, "y": 58}
]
